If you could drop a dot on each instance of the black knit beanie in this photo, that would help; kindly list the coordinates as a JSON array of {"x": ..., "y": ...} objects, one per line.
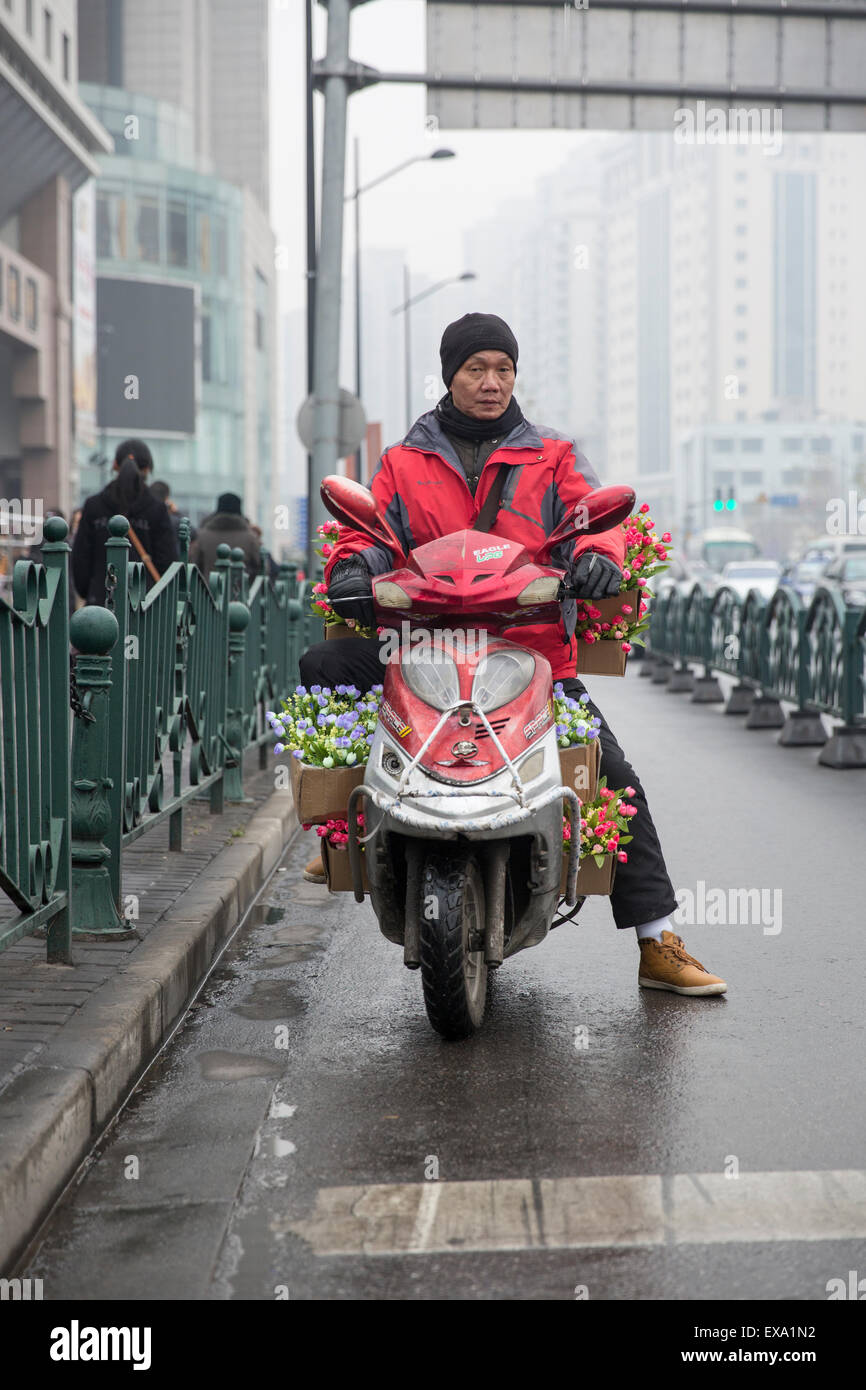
[
  {"x": 474, "y": 333},
  {"x": 229, "y": 502}
]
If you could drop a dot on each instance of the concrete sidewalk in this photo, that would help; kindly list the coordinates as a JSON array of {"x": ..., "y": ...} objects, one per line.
[{"x": 74, "y": 1040}]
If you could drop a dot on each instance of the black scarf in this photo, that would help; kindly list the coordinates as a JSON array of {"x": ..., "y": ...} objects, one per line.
[{"x": 453, "y": 421}]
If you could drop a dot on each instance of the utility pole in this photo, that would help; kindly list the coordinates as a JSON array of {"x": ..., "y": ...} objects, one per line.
[
  {"x": 407, "y": 348},
  {"x": 311, "y": 269},
  {"x": 359, "y": 471},
  {"x": 326, "y": 382}
]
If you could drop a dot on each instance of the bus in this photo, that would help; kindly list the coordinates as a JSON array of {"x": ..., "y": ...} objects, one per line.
[{"x": 718, "y": 545}]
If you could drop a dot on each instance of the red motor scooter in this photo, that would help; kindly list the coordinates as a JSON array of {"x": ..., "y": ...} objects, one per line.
[{"x": 462, "y": 790}]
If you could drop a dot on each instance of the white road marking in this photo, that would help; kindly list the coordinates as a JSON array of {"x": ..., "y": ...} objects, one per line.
[
  {"x": 569, "y": 1213},
  {"x": 424, "y": 1218}
]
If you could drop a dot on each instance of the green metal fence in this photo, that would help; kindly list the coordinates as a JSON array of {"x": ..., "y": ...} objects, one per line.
[
  {"x": 813, "y": 657},
  {"x": 35, "y": 746},
  {"x": 167, "y": 691}
]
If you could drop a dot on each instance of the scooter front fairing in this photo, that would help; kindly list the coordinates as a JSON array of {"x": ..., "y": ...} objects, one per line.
[{"x": 460, "y": 772}]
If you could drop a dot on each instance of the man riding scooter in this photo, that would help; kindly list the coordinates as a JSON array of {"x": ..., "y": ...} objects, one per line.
[{"x": 475, "y": 461}]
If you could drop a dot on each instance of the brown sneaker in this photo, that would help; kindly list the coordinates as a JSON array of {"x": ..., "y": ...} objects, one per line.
[
  {"x": 666, "y": 964},
  {"x": 315, "y": 871}
]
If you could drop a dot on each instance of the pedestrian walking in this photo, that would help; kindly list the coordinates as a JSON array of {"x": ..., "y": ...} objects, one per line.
[
  {"x": 227, "y": 526},
  {"x": 150, "y": 530},
  {"x": 162, "y": 490}
]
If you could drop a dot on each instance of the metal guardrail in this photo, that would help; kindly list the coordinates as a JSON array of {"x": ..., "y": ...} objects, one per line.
[
  {"x": 811, "y": 656},
  {"x": 168, "y": 689}
]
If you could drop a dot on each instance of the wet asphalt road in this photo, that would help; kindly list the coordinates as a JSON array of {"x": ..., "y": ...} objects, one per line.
[{"x": 308, "y": 1064}]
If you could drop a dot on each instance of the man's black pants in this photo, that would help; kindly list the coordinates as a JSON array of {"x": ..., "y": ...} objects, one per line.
[{"x": 642, "y": 890}]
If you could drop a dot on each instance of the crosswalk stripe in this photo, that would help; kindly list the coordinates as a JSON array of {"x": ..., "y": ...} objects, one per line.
[
  {"x": 568, "y": 1213},
  {"x": 425, "y": 1217}
]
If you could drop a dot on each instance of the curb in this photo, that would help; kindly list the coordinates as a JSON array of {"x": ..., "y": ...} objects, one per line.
[{"x": 52, "y": 1114}]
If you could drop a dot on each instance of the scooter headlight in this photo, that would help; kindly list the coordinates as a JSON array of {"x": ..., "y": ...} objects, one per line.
[
  {"x": 434, "y": 681},
  {"x": 544, "y": 590},
  {"x": 532, "y": 767},
  {"x": 502, "y": 677},
  {"x": 391, "y": 595}
]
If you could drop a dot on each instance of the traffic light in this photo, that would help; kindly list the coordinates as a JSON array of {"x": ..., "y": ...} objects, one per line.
[{"x": 725, "y": 504}]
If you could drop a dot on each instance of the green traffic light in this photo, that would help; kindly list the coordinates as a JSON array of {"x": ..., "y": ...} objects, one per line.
[
  {"x": 718, "y": 504},
  {"x": 732, "y": 504}
]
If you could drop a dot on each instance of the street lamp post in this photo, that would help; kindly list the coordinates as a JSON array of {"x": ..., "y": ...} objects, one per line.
[
  {"x": 356, "y": 198},
  {"x": 407, "y": 328}
]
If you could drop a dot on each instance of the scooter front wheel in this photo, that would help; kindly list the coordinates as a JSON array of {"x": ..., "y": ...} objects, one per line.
[{"x": 453, "y": 971}]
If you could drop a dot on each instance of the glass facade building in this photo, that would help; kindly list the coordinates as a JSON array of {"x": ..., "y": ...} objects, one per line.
[
  {"x": 795, "y": 217},
  {"x": 160, "y": 218}
]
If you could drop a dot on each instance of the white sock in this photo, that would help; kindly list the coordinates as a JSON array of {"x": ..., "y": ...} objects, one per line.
[{"x": 653, "y": 929}]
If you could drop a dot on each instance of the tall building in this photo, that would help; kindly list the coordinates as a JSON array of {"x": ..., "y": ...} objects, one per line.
[
  {"x": 662, "y": 291},
  {"x": 50, "y": 144},
  {"x": 208, "y": 58},
  {"x": 391, "y": 395},
  {"x": 186, "y": 275},
  {"x": 732, "y": 291},
  {"x": 541, "y": 264},
  {"x": 382, "y": 385}
]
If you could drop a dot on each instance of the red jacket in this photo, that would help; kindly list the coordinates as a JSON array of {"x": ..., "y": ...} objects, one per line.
[{"x": 421, "y": 487}]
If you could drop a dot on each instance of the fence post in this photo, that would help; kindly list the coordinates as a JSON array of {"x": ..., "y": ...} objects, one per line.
[
  {"x": 117, "y": 602},
  {"x": 269, "y": 655},
  {"x": 707, "y": 690},
  {"x": 238, "y": 696},
  {"x": 219, "y": 583},
  {"x": 846, "y": 747},
  {"x": 289, "y": 572},
  {"x": 803, "y": 727},
  {"x": 180, "y": 692},
  {"x": 94, "y": 632},
  {"x": 239, "y": 617},
  {"x": 55, "y": 550},
  {"x": 765, "y": 711}
]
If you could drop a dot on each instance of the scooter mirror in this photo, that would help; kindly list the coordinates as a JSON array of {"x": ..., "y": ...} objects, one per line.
[
  {"x": 354, "y": 505},
  {"x": 600, "y": 510}
]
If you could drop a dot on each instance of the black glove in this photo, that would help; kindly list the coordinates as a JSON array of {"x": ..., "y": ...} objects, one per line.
[
  {"x": 595, "y": 576},
  {"x": 350, "y": 592}
]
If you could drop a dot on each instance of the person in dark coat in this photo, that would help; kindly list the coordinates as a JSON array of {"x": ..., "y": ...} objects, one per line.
[
  {"x": 163, "y": 492},
  {"x": 227, "y": 525},
  {"x": 126, "y": 495}
]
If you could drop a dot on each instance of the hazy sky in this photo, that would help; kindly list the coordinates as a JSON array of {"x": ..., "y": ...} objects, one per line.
[{"x": 423, "y": 209}]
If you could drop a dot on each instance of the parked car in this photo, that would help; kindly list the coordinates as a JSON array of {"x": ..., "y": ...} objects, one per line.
[
  {"x": 830, "y": 548},
  {"x": 804, "y": 577},
  {"x": 743, "y": 575},
  {"x": 682, "y": 574},
  {"x": 848, "y": 573}
]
